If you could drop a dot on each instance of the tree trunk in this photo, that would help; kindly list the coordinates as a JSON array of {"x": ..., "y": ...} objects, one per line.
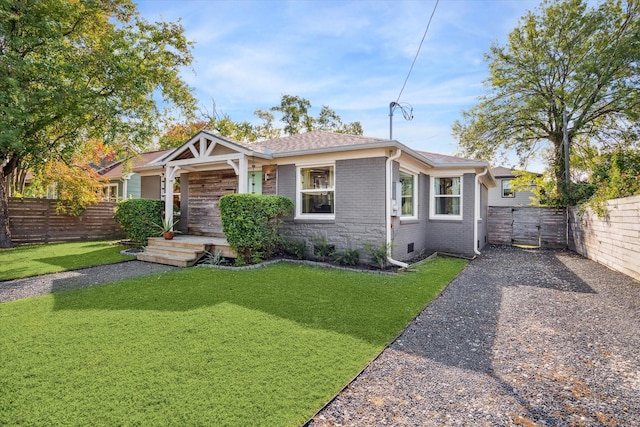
[
  {"x": 5, "y": 232},
  {"x": 558, "y": 166}
]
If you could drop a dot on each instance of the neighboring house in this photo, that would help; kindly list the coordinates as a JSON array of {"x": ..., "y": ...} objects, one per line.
[
  {"x": 504, "y": 194},
  {"x": 122, "y": 183},
  {"x": 353, "y": 190}
]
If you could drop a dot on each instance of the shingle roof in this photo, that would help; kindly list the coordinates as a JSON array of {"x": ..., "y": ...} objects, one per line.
[
  {"x": 502, "y": 172},
  {"x": 442, "y": 159},
  {"x": 115, "y": 170},
  {"x": 316, "y": 140}
]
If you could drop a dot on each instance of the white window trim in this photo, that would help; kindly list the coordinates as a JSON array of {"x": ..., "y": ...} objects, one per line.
[
  {"x": 432, "y": 198},
  {"x": 513, "y": 193},
  {"x": 415, "y": 216},
  {"x": 111, "y": 185},
  {"x": 320, "y": 216}
]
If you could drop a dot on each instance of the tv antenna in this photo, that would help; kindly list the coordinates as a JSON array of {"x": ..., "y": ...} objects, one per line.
[{"x": 407, "y": 113}]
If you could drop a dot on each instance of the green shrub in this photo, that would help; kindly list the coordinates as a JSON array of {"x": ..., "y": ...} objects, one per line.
[
  {"x": 322, "y": 249},
  {"x": 139, "y": 218},
  {"x": 295, "y": 248},
  {"x": 378, "y": 254},
  {"x": 250, "y": 223},
  {"x": 347, "y": 257}
]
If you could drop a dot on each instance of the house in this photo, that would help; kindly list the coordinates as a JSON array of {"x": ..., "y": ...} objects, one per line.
[
  {"x": 122, "y": 183},
  {"x": 504, "y": 194},
  {"x": 353, "y": 190}
]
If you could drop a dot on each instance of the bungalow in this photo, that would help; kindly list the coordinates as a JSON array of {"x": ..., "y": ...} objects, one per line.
[{"x": 353, "y": 190}]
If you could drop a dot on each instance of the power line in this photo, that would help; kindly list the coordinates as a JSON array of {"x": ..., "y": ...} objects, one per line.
[{"x": 418, "y": 52}]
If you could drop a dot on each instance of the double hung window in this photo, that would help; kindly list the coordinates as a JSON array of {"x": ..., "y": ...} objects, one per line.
[
  {"x": 447, "y": 198},
  {"x": 409, "y": 196},
  {"x": 316, "y": 192},
  {"x": 507, "y": 191}
]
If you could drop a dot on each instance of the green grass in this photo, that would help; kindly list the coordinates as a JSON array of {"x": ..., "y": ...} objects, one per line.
[
  {"x": 33, "y": 260},
  {"x": 202, "y": 347}
]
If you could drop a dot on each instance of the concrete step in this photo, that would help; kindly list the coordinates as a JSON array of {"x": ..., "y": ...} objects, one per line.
[
  {"x": 175, "y": 251},
  {"x": 163, "y": 259},
  {"x": 183, "y": 251}
]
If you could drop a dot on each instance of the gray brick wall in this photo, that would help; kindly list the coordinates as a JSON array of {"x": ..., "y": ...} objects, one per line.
[
  {"x": 455, "y": 236},
  {"x": 360, "y": 213},
  {"x": 406, "y": 232},
  {"x": 359, "y": 209}
]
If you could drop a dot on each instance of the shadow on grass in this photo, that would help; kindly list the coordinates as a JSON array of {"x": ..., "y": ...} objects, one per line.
[
  {"x": 91, "y": 257},
  {"x": 370, "y": 307}
]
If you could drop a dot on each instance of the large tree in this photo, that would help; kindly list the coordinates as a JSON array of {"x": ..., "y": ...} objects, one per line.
[
  {"x": 76, "y": 71},
  {"x": 294, "y": 114},
  {"x": 566, "y": 57}
]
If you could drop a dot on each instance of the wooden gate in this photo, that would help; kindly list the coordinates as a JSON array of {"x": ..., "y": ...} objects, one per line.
[{"x": 527, "y": 226}]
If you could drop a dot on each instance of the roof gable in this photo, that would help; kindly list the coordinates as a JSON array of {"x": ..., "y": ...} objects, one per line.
[{"x": 205, "y": 144}]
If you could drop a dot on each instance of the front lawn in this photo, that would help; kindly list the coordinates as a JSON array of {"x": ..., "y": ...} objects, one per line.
[
  {"x": 33, "y": 260},
  {"x": 200, "y": 346}
]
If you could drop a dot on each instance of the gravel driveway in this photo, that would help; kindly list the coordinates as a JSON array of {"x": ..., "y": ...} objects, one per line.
[
  {"x": 12, "y": 290},
  {"x": 519, "y": 338}
]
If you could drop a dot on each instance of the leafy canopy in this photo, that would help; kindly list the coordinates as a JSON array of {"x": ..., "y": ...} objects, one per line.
[
  {"x": 566, "y": 57},
  {"x": 77, "y": 71},
  {"x": 294, "y": 112}
]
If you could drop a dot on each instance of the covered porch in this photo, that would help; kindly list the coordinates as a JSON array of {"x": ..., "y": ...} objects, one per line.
[{"x": 207, "y": 168}]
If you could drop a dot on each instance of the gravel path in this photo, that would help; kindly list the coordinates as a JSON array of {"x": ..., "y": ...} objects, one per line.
[
  {"x": 519, "y": 338},
  {"x": 11, "y": 290}
]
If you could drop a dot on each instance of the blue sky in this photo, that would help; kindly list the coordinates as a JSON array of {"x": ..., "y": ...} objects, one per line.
[{"x": 350, "y": 55}]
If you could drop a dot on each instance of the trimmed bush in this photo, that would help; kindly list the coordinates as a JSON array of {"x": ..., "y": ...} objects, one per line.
[
  {"x": 140, "y": 218},
  {"x": 250, "y": 223}
]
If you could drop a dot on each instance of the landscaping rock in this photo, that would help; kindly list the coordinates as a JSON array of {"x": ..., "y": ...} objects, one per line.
[{"x": 520, "y": 337}]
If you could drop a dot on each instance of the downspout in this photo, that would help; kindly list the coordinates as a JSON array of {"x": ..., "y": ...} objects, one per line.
[
  {"x": 477, "y": 211},
  {"x": 389, "y": 177}
]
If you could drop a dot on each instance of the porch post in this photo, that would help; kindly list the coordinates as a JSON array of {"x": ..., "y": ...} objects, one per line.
[
  {"x": 243, "y": 170},
  {"x": 168, "y": 193}
]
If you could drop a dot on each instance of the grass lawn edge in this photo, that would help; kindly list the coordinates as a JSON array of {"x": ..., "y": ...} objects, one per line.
[{"x": 387, "y": 345}]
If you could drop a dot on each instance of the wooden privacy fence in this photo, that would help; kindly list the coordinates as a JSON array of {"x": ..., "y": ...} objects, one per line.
[
  {"x": 36, "y": 221},
  {"x": 527, "y": 226},
  {"x": 613, "y": 240}
]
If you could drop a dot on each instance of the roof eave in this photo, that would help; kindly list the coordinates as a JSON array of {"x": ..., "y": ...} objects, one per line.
[{"x": 357, "y": 147}]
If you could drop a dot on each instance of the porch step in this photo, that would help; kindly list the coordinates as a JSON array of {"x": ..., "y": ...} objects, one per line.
[{"x": 183, "y": 250}]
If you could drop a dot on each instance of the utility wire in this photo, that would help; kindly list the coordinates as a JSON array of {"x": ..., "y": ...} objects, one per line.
[{"x": 418, "y": 52}]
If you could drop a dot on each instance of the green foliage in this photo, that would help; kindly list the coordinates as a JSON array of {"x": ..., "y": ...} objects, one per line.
[
  {"x": 545, "y": 190},
  {"x": 322, "y": 249},
  {"x": 34, "y": 260},
  {"x": 140, "y": 218},
  {"x": 379, "y": 254},
  {"x": 250, "y": 223},
  {"x": 295, "y": 115},
  {"x": 175, "y": 348},
  {"x": 165, "y": 226},
  {"x": 295, "y": 248},
  {"x": 348, "y": 257},
  {"x": 617, "y": 175},
  {"x": 72, "y": 72},
  {"x": 567, "y": 56},
  {"x": 214, "y": 258}
]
